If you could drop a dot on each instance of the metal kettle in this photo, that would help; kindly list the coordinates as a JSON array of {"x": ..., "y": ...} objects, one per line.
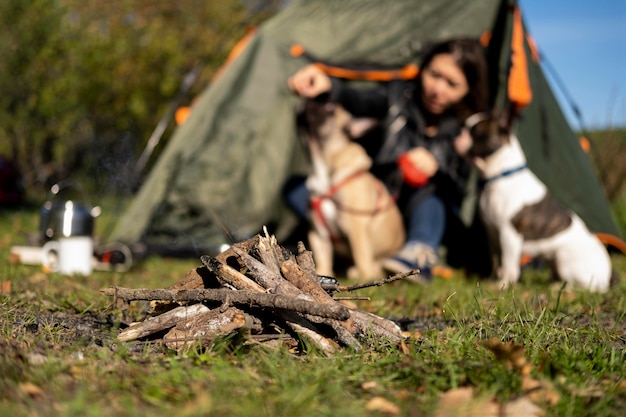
[{"x": 64, "y": 216}]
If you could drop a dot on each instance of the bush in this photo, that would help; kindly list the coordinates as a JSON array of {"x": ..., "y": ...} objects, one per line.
[{"x": 82, "y": 85}]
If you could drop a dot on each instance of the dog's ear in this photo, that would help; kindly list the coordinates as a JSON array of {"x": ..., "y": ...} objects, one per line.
[
  {"x": 506, "y": 118},
  {"x": 358, "y": 127},
  {"x": 484, "y": 131}
]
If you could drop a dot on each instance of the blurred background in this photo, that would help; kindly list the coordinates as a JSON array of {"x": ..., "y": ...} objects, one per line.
[
  {"x": 84, "y": 85},
  {"x": 584, "y": 42}
]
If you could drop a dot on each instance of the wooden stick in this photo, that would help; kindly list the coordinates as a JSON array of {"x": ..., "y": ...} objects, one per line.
[
  {"x": 305, "y": 260},
  {"x": 271, "y": 281},
  {"x": 268, "y": 253},
  {"x": 373, "y": 325},
  {"x": 327, "y": 345},
  {"x": 230, "y": 275},
  {"x": 346, "y": 329},
  {"x": 205, "y": 327},
  {"x": 264, "y": 300},
  {"x": 267, "y": 274},
  {"x": 163, "y": 321}
]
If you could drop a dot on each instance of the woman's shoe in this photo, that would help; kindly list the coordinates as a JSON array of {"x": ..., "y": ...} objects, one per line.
[{"x": 413, "y": 256}]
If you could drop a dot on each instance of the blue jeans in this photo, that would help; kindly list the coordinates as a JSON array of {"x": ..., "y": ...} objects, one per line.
[
  {"x": 426, "y": 223},
  {"x": 297, "y": 196}
]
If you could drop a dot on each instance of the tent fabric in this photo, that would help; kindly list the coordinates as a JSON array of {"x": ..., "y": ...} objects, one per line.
[{"x": 221, "y": 174}]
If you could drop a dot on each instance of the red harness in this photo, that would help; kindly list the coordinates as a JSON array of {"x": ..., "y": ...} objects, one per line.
[{"x": 315, "y": 202}]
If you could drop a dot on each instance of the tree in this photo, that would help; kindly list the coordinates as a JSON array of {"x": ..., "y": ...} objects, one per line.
[{"x": 84, "y": 83}]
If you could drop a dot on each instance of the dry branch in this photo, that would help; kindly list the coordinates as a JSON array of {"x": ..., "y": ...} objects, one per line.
[
  {"x": 230, "y": 275},
  {"x": 266, "y": 271},
  {"x": 361, "y": 285},
  {"x": 272, "y": 281},
  {"x": 160, "y": 322},
  {"x": 249, "y": 298},
  {"x": 205, "y": 327}
]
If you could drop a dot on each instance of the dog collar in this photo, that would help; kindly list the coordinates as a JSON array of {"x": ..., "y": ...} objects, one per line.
[{"x": 484, "y": 181}]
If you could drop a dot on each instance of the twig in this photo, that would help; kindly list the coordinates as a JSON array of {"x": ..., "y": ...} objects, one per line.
[
  {"x": 243, "y": 297},
  {"x": 392, "y": 278},
  {"x": 351, "y": 298}
]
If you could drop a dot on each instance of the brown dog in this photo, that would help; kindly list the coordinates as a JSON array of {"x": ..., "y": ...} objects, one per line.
[{"x": 352, "y": 213}]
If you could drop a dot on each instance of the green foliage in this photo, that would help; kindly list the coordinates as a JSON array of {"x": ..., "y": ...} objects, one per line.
[{"x": 83, "y": 84}]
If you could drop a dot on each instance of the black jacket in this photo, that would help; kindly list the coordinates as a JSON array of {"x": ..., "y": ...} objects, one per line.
[{"x": 395, "y": 104}]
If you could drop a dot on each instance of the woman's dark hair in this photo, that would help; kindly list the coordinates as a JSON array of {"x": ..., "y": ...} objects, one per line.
[{"x": 469, "y": 55}]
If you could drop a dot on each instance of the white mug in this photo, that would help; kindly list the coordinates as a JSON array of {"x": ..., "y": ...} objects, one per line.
[{"x": 69, "y": 255}]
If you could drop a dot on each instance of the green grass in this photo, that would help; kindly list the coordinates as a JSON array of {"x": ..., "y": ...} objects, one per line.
[{"x": 60, "y": 356}]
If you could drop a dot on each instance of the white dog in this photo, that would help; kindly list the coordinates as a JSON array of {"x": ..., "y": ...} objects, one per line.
[
  {"x": 352, "y": 213},
  {"x": 521, "y": 217}
]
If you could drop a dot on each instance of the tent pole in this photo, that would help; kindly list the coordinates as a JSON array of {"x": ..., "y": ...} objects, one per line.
[{"x": 155, "y": 138}]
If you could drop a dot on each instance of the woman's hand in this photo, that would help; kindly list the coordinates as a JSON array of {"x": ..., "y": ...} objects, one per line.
[
  {"x": 423, "y": 160},
  {"x": 463, "y": 142},
  {"x": 309, "y": 82}
]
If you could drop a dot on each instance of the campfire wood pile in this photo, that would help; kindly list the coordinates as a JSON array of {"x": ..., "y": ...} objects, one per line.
[{"x": 261, "y": 290}]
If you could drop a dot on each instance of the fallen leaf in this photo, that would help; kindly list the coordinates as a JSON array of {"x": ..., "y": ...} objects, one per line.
[
  {"x": 369, "y": 385},
  {"x": 402, "y": 394},
  {"x": 521, "y": 407},
  {"x": 31, "y": 390},
  {"x": 460, "y": 402},
  {"x": 540, "y": 391},
  {"x": 412, "y": 335},
  {"x": 382, "y": 405},
  {"x": 513, "y": 354}
]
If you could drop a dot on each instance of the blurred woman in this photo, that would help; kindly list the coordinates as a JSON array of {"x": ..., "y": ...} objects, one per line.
[{"x": 419, "y": 158}]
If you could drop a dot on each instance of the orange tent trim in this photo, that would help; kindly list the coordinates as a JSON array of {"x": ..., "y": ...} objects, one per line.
[
  {"x": 485, "y": 38},
  {"x": 520, "y": 92},
  {"x": 585, "y": 144},
  {"x": 234, "y": 53},
  {"x": 407, "y": 72},
  {"x": 182, "y": 113}
]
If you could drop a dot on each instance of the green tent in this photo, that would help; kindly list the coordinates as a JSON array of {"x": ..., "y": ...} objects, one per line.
[{"x": 222, "y": 172}]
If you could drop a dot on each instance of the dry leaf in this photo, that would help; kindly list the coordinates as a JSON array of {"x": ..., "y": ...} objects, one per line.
[
  {"x": 514, "y": 356},
  {"x": 412, "y": 335},
  {"x": 383, "y": 406},
  {"x": 460, "y": 402},
  {"x": 402, "y": 394},
  {"x": 540, "y": 391},
  {"x": 511, "y": 353},
  {"x": 369, "y": 386},
  {"x": 31, "y": 390},
  {"x": 521, "y": 407}
]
